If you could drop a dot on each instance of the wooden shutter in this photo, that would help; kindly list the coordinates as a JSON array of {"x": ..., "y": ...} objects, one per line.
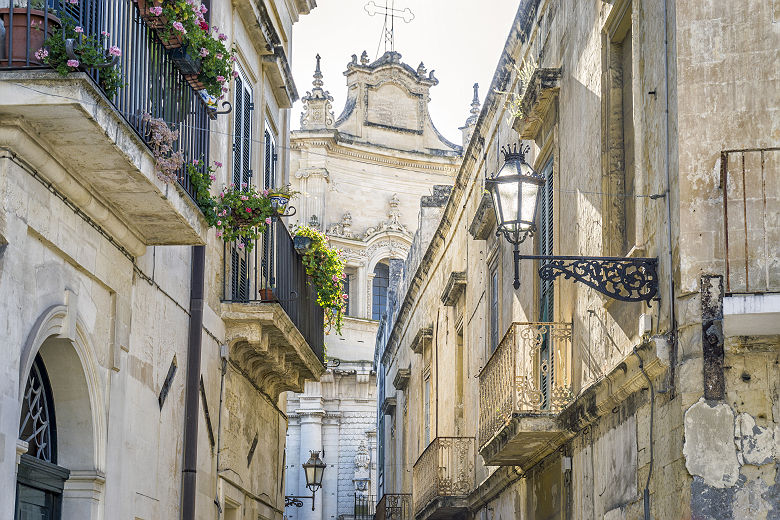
[
  {"x": 242, "y": 132},
  {"x": 546, "y": 289}
]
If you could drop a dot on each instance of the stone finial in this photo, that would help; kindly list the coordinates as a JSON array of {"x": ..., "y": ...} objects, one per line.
[
  {"x": 471, "y": 122},
  {"x": 314, "y": 222},
  {"x": 354, "y": 60},
  {"x": 393, "y": 212},
  {"x": 421, "y": 70},
  {"x": 317, "y": 114},
  {"x": 364, "y": 58}
]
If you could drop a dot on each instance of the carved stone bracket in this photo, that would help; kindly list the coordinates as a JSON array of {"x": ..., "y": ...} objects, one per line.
[
  {"x": 456, "y": 284},
  {"x": 423, "y": 335},
  {"x": 268, "y": 347},
  {"x": 542, "y": 89},
  {"x": 401, "y": 380}
]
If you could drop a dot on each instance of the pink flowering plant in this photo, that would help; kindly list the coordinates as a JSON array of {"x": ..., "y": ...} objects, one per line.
[
  {"x": 161, "y": 138},
  {"x": 185, "y": 20},
  {"x": 325, "y": 267},
  {"x": 238, "y": 213},
  {"x": 90, "y": 52}
]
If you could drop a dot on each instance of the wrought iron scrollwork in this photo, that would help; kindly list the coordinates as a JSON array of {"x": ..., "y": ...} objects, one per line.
[
  {"x": 625, "y": 279},
  {"x": 292, "y": 501}
]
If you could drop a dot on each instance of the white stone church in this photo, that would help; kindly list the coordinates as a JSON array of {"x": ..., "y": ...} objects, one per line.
[{"x": 363, "y": 178}]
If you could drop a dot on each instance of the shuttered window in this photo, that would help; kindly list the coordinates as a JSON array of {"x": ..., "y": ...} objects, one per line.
[
  {"x": 243, "y": 107},
  {"x": 546, "y": 287},
  {"x": 269, "y": 159},
  {"x": 493, "y": 308}
]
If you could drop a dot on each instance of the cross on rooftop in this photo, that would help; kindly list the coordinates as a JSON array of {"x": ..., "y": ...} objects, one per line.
[{"x": 390, "y": 13}]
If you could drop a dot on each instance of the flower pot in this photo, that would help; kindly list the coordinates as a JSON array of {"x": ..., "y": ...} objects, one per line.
[
  {"x": 158, "y": 24},
  {"x": 187, "y": 61},
  {"x": 266, "y": 295},
  {"x": 279, "y": 200},
  {"x": 193, "y": 81},
  {"x": 17, "y": 44}
]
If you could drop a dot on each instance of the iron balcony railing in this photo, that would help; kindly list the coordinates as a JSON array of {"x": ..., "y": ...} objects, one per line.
[
  {"x": 445, "y": 469},
  {"x": 750, "y": 180},
  {"x": 151, "y": 83},
  {"x": 273, "y": 272},
  {"x": 365, "y": 507},
  {"x": 529, "y": 373},
  {"x": 394, "y": 506}
]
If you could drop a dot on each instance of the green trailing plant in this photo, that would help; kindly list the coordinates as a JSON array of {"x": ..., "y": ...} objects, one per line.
[
  {"x": 325, "y": 266},
  {"x": 90, "y": 52},
  {"x": 184, "y": 20},
  {"x": 523, "y": 72}
]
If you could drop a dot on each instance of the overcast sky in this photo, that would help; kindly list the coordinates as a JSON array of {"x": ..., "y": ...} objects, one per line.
[{"x": 460, "y": 39}]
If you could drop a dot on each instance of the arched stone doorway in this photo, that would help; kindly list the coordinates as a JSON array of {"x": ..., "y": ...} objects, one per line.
[{"x": 58, "y": 476}]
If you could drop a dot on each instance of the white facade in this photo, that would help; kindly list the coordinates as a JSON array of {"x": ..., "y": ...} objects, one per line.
[{"x": 363, "y": 177}]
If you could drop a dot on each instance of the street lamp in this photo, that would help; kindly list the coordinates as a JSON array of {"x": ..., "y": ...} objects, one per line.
[
  {"x": 515, "y": 190},
  {"x": 313, "y": 470}
]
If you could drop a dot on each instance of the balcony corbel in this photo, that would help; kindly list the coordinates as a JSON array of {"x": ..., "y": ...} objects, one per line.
[{"x": 542, "y": 89}]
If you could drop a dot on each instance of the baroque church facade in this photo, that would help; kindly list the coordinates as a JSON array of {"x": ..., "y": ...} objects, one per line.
[{"x": 363, "y": 179}]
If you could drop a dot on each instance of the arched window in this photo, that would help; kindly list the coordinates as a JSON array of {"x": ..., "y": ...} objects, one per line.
[
  {"x": 379, "y": 290},
  {"x": 39, "y": 482}
]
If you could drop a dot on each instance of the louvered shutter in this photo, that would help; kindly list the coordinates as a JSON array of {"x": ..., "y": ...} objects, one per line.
[{"x": 546, "y": 289}]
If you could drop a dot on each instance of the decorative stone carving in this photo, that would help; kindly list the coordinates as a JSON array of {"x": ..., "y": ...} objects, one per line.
[
  {"x": 392, "y": 224},
  {"x": 362, "y": 478},
  {"x": 317, "y": 113},
  {"x": 314, "y": 222},
  {"x": 364, "y": 58},
  {"x": 343, "y": 229}
]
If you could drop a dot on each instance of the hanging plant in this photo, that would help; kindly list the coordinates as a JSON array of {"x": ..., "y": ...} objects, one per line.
[
  {"x": 325, "y": 266},
  {"x": 69, "y": 49},
  {"x": 160, "y": 136},
  {"x": 238, "y": 213},
  {"x": 202, "y": 55}
]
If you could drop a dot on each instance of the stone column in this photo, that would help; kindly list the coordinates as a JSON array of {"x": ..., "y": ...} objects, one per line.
[
  {"x": 311, "y": 439},
  {"x": 368, "y": 292},
  {"x": 330, "y": 481}
]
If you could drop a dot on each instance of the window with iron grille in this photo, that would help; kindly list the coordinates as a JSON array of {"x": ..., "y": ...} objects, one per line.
[
  {"x": 546, "y": 287},
  {"x": 269, "y": 158}
]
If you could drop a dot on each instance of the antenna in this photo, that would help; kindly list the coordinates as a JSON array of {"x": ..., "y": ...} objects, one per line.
[{"x": 390, "y": 13}]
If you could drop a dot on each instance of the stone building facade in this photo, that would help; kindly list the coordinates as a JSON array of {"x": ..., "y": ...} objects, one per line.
[
  {"x": 120, "y": 329},
  {"x": 363, "y": 177},
  {"x": 656, "y": 128}
]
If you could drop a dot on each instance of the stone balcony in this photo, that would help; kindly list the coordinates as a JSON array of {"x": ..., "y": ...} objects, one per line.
[
  {"x": 522, "y": 389},
  {"x": 273, "y": 324},
  {"x": 443, "y": 477}
]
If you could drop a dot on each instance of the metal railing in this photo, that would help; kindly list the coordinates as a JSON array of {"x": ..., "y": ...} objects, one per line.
[
  {"x": 445, "y": 469},
  {"x": 365, "y": 507},
  {"x": 529, "y": 373},
  {"x": 150, "y": 81},
  {"x": 750, "y": 180},
  {"x": 394, "y": 506},
  {"x": 272, "y": 271}
]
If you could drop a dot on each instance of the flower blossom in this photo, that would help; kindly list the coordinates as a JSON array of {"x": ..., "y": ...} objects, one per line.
[
  {"x": 244, "y": 185},
  {"x": 222, "y": 37},
  {"x": 179, "y": 27},
  {"x": 268, "y": 220},
  {"x": 157, "y": 11},
  {"x": 244, "y": 197},
  {"x": 219, "y": 222},
  {"x": 115, "y": 51},
  {"x": 220, "y": 55},
  {"x": 74, "y": 2},
  {"x": 212, "y": 177},
  {"x": 203, "y": 9},
  {"x": 105, "y": 33},
  {"x": 221, "y": 79},
  {"x": 204, "y": 52},
  {"x": 204, "y": 25},
  {"x": 78, "y": 29},
  {"x": 249, "y": 210},
  {"x": 41, "y": 54},
  {"x": 218, "y": 164},
  {"x": 235, "y": 73},
  {"x": 241, "y": 245},
  {"x": 73, "y": 63}
]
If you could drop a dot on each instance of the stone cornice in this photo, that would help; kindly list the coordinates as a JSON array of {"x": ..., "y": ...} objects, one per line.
[{"x": 335, "y": 144}]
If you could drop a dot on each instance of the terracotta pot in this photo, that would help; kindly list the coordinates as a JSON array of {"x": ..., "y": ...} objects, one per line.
[
  {"x": 20, "y": 38},
  {"x": 193, "y": 81},
  {"x": 157, "y": 23},
  {"x": 266, "y": 295}
]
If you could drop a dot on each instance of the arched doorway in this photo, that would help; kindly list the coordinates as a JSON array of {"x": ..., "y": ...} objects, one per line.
[{"x": 40, "y": 481}]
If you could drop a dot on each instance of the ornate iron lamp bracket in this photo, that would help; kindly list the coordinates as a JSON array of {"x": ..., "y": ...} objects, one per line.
[
  {"x": 290, "y": 501},
  {"x": 625, "y": 279}
]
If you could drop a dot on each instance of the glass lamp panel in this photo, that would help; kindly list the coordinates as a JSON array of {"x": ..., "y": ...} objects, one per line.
[
  {"x": 309, "y": 470},
  {"x": 319, "y": 469},
  {"x": 507, "y": 195},
  {"x": 530, "y": 192}
]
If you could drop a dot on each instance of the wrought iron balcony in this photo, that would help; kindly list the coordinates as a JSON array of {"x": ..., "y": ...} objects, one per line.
[
  {"x": 394, "y": 506},
  {"x": 522, "y": 388},
  {"x": 273, "y": 321},
  {"x": 71, "y": 114},
  {"x": 443, "y": 476},
  {"x": 365, "y": 507}
]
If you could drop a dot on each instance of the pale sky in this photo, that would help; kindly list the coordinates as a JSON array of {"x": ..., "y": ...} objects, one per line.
[{"x": 460, "y": 39}]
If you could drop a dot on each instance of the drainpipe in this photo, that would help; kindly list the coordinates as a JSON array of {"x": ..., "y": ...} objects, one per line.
[{"x": 189, "y": 469}]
